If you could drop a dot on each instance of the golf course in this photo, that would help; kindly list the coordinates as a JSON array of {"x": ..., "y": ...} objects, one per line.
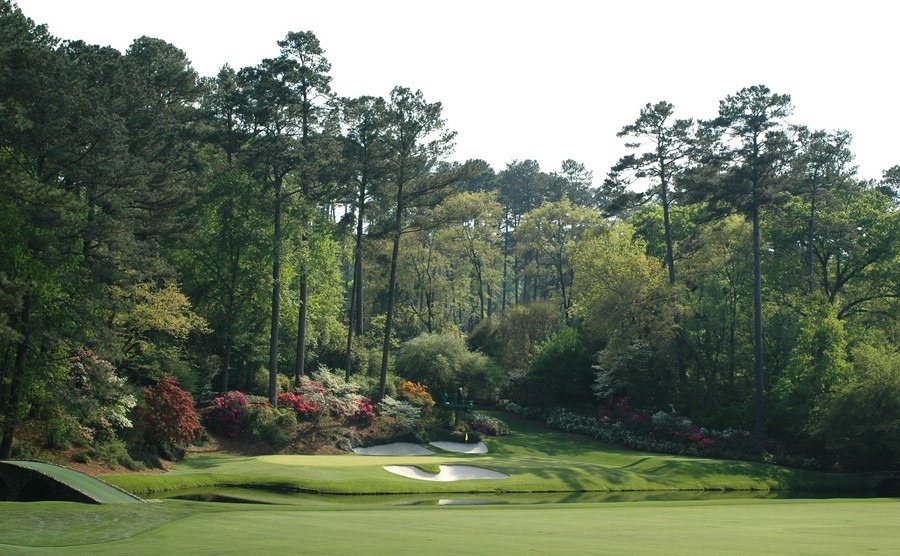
[{"x": 551, "y": 493}]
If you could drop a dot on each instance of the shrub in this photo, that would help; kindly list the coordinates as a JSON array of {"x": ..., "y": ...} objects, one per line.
[
  {"x": 416, "y": 394},
  {"x": 482, "y": 377},
  {"x": 433, "y": 360},
  {"x": 859, "y": 423},
  {"x": 561, "y": 370},
  {"x": 487, "y": 425},
  {"x": 523, "y": 328},
  {"x": 398, "y": 409},
  {"x": 114, "y": 452},
  {"x": 485, "y": 338},
  {"x": 264, "y": 423},
  {"x": 261, "y": 382},
  {"x": 368, "y": 385},
  {"x": 227, "y": 414},
  {"x": 443, "y": 364},
  {"x": 169, "y": 417},
  {"x": 62, "y": 431},
  {"x": 98, "y": 398},
  {"x": 365, "y": 410},
  {"x": 341, "y": 397},
  {"x": 305, "y": 407}
]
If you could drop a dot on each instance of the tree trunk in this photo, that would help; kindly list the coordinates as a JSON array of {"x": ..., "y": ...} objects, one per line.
[
  {"x": 389, "y": 321},
  {"x": 348, "y": 361},
  {"x": 505, "y": 265},
  {"x": 226, "y": 361},
  {"x": 11, "y": 413},
  {"x": 276, "y": 299},
  {"x": 490, "y": 301},
  {"x": 300, "y": 360},
  {"x": 758, "y": 412},
  {"x": 812, "y": 238},
  {"x": 667, "y": 229}
]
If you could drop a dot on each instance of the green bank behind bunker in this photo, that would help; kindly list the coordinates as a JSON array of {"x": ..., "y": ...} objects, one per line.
[{"x": 654, "y": 504}]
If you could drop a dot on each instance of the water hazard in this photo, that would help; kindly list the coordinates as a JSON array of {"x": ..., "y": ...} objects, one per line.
[{"x": 259, "y": 496}]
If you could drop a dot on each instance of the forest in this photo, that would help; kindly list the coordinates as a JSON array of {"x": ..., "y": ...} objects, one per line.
[{"x": 242, "y": 231}]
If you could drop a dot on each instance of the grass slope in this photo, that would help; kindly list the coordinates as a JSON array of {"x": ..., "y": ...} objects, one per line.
[{"x": 537, "y": 460}]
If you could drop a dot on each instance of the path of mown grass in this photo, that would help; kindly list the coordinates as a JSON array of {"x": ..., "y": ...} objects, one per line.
[
  {"x": 537, "y": 460},
  {"x": 794, "y": 527}
]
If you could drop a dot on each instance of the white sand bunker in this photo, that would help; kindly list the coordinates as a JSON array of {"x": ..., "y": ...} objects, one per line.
[
  {"x": 462, "y": 447},
  {"x": 447, "y": 473},
  {"x": 395, "y": 449}
]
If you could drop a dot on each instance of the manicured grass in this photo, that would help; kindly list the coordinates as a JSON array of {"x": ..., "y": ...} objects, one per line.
[
  {"x": 537, "y": 460},
  {"x": 722, "y": 527}
]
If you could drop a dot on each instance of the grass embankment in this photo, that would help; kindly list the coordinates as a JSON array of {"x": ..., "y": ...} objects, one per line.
[{"x": 537, "y": 460}]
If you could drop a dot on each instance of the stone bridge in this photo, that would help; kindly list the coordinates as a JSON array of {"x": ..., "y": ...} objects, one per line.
[
  {"x": 885, "y": 483},
  {"x": 32, "y": 481}
]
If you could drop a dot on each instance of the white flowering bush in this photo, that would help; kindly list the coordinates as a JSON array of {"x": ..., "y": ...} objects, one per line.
[
  {"x": 399, "y": 409},
  {"x": 98, "y": 398}
]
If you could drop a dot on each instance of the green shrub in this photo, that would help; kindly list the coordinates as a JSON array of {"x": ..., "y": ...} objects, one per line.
[
  {"x": 859, "y": 424},
  {"x": 561, "y": 371},
  {"x": 485, "y": 338},
  {"x": 487, "y": 425},
  {"x": 114, "y": 452},
  {"x": 523, "y": 329},
  {"x": 443, "y": 363},
  {"x": 369, "y": 384},
  {"x": 261, "y": 382},
  {"x": 264, "y": 424},
  {"x": 64, "y": 431}
]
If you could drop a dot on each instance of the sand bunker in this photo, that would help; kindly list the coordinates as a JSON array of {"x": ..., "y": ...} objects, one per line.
[
  {"x": 447, "y": 473},
  {"x": 395, "y": 449},
  {"x": 462, "y": 447}
]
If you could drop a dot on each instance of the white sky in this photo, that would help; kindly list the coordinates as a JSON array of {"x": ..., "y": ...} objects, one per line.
[{"x": 551, "y": 79}]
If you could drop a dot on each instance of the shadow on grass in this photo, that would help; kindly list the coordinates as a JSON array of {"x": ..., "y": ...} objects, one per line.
[{"x": 579, "y": 460}]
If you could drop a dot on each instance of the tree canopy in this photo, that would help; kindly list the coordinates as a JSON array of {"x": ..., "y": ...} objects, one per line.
[{"x": 220, "y": 229}]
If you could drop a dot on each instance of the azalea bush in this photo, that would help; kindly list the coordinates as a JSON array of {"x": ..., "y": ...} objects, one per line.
[
  {"x": 365, "y": 410},
  {"x": 341, "y": 398},
  {"x": 168, "y": 416},
  {"x": 416, "y": 394},
  {"x": 306, "y": 408},
  {"x": 227, "y": 414}
]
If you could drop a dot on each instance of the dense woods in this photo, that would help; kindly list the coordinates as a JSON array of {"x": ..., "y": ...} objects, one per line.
[{"x": 238, "y": 231}]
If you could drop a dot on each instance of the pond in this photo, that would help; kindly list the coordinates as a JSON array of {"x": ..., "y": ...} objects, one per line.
[{"x": 260, "y": 496}]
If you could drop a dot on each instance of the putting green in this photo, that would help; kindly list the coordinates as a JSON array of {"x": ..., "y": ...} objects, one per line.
[
  {"x": 535, "y": 459},
  {"x": 34, "y": 480}
]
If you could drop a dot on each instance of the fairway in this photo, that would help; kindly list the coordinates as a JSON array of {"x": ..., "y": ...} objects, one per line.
[{"x": 729, "y": 527}]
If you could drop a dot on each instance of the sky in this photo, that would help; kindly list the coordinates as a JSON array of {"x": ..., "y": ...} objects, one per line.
[{"x": 550, "y": 80}]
